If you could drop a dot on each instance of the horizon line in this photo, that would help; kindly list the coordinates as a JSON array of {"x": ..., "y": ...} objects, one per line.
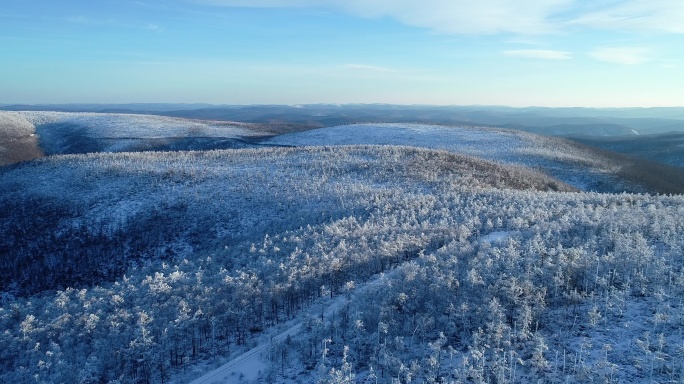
[{"x": 299, "y": 105}]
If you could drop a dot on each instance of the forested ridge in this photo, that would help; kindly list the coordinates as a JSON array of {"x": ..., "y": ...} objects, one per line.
[
  {"x": 79, "y": 219},
  {"x": 488, "y": 273}
]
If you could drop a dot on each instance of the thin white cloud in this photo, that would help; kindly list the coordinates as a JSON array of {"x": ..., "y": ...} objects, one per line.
[
  {"x": 526, "y": 17},
  {"x": 543, "y": 54},
  {"x": 621, "y": 55},
  {"x": 98, "y": 22},
  {"x": 265, "y": 3},
  {"x": 525, "y": 40},
  {"x": 522, "y": 17},
  {"x": 636, "y": 15},
  {"x": 369, "y": 68}
]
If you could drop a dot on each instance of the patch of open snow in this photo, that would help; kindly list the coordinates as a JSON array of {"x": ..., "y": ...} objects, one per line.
[
  {"x": 14, "y": 124},
  {"x": 122, "y": 126},
  {"x": 489, "y": 143},
  {"x": 496, "y": 237},
  {"x": 550, "y": 155},
  {"x": 245, "y": 368},
  {"x": 249, "y": 366}
]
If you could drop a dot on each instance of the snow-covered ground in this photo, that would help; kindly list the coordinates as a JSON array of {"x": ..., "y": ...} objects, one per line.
[
  {"x": 496, "y": 237},
  {"x": 276, "y": 191},
  {"x": 15, "y": 124},
  {"x": 258, "y": 218},
  {"x": 249, "y": 366},
  {"x": 556, "y": 157},
  {"x": 84, "y": 132},
  {"x": 489, "y": 143},
  {"x": 120, "y": 125}
]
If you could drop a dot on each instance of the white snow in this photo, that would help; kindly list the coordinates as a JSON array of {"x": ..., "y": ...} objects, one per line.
[
  {"x": 15, "y": 124},
  {"x": 496, "y": 237},
  {"x": 121, "y": 126},
  {"x": 248, "y": 366},
  {"x": 245, "y": 367},
  {"x": 489, "y": 143},
  {"x": 554, "y": 156}
]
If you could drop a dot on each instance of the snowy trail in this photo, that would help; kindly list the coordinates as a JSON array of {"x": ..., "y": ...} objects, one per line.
[{"x": 249, "y": 365}]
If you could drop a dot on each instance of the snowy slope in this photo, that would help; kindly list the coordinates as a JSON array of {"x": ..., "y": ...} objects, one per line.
[
  {"x": 494, "y": 144},
  {"x": 120, "y": 125},
  {"x": 252, "y": 365},
  {"x": 570, "y": 163},
  {"x": 146, "y": 264},
  {"x": 188, "y": 200},
  {"x": 75, "y": 222},
  {"x": 80, "y": 132},
  {"x": 15, "y": 124},
  {"x": 18, "y": 141}
]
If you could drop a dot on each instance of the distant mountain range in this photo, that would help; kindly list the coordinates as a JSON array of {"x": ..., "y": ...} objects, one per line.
[
  {"x": 666, "y": 148},
  {"x": 25, "y": 135},
  {"x": 121, "y": 108},
  {"x": 549, "y": 121}
]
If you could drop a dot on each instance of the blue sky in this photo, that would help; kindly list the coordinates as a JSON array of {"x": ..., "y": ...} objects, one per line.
[{"x": 448, "y": 52}]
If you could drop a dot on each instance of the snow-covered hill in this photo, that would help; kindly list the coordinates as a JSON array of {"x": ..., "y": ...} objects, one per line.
[
  {"x": 120, "y": 125},
  {"x": 82, "y": 132},
  {"x": 161, "y": 266},
  {"x": 18, "y": 140},
  {"x": 666, "y": 148},
  {"x": 145, "y": 205},
  {"x": 76, "y": 223},
  {"x": 562, "y": 159}
]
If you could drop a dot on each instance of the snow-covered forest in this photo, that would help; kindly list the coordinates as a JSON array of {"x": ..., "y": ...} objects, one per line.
[
  {"x": 69, "y": 133},
  {"x": 142, "y": 267}
]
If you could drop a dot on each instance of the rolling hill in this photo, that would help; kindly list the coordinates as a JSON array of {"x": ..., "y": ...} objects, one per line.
[
  {"x": 138, "y": 267},
  {"x": 398, "y": 252},
  {"x": 547, "y": 121},
  {"x": 108, "y": 210},
  {"x": 64, "y": 132},
  {"x": 30, "y": 134},
  {"x": 18, "y": 140},
  {"x": 582, "y": 166},
  {"x": 665, "y": 148}
]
